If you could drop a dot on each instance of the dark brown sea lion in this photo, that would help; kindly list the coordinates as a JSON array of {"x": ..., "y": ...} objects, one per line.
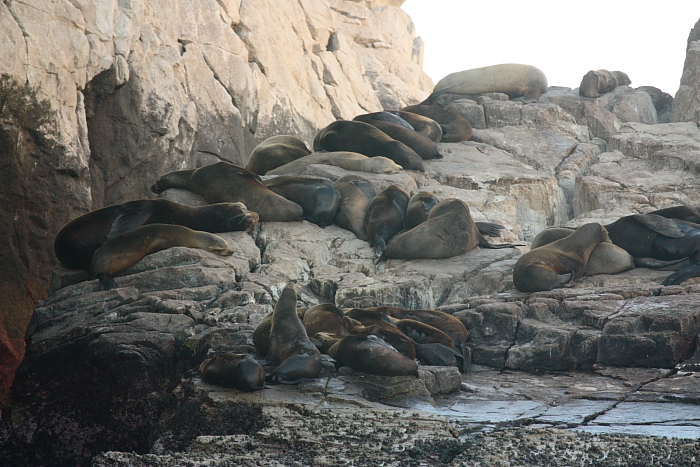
[
  {"x": 344, "y": 135},
  {"x": 598, "y": 82},
  {"x": 660, "y": 238},
  {"x": 384, "y": 116},
  {"x": 274, "y": 152},
  {"x": 433, "y": 347},
  {"x": 261, "y": 335},
  {"x": 424, "y": 147},
  {"x": 355, "y": 195},
  {"x": 449, "y": 231},
  {"x": 125, "y": 250},
  {"x": 559, "y": 262},
  {"x": 419, "y": 207},
  {"x": 77, "y": 241},
  {"x": 299, "y": 359},
  {"x": 421, "y": 124},
  {"x": 239, "y": 371},
  {"x": 388, "y": 333},
  {"x": 325, "y": 317},
  {"x": 454, "y": 127},
  {"x": 316, "y": 196},
  {"x": 224, "y": 181},
  {"x": 385, "y": 216},
  {"x": 606, "y": 257},
  {"x": 370, "y": 354},
  {"x": 518, "y": 81}
]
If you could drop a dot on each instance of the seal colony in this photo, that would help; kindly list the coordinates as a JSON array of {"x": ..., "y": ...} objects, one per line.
[{"x": 382, "y": 340}]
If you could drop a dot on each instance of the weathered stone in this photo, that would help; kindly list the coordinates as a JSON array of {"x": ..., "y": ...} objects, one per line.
[{"x": 440, "y": 379}]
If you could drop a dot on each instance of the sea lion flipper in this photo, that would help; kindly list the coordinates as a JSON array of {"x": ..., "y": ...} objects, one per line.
[
  {"x": 679, "y": 276},
  {"x": 661, "y": 225},
  {"x": 490, "y": 229},
  {"x": 106, "y": 282},
  {"x": 128, "y": 221},
  {"x": 436, "y": 354}
]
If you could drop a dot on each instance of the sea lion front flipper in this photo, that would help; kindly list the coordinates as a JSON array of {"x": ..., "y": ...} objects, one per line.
[
  {"x": 490, "y": 229},
  {"x": 128, "y": 221},
  {"x": 661, "y": 225},
  {"x": 106, "y": 282}
]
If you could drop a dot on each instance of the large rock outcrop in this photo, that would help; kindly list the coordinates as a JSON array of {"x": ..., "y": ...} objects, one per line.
[{"x": 100, "y": 98}]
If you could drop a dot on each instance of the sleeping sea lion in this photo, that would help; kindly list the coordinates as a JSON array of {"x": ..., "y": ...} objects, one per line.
[
  {"x": 274, "y": 152},
  {"x": 125, "y": 250},
  {"x": 224, "y": 181},
  {"x": 419, "y": 207},
  {"x": 316, "y": 196},
  {"x": 517, "y": 81},
  {"x": 385, "y": 217},
  {"x": 454, "y": 127},
  {"x": 559, "y": 262},
  {"x": 239, "y": 371},
  {"x": 324, "y": 317},
  {"x": 421, "y": 124},
  {"x": 370, "y": 354},
  {"x": 449, "y": 231},
  {"x": 355, "y": 195},
  {"x": 77, "y": 241},
  {"x": 299, "y": 360},
  {"x": 424, "y": 147},
  {"x": 597, "y": 82},
  {"x": 344, "y": 135},
  {"x": 344, "y": 159}
]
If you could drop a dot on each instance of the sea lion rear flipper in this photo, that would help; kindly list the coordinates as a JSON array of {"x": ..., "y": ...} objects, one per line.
[
  {"x": 661, "y": 225},
  {"x": 436, "y": 354},
  {"x": 128, "y": 221},
  {"x": 679, "y": 276},
  {"x": 490, "y": 229},
  {"x": 483, "y": 243}
]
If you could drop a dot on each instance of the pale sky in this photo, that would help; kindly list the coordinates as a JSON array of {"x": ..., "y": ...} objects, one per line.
[{"x": 565, "y": 39}]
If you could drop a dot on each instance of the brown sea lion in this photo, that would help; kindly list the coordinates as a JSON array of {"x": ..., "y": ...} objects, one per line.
[
  {"x": 385, "y": 216},
  {"x": 424, "y": 147},
  {"x": 275, "y": 152},
  {"x": 517, "y": 81},
  {"x": 559, "y": 262},
  {"x": 224, "y": 181},
  {"x": 344, "y": 159},
  {"x": 355, "y": 195},
  {"x": 125, "y": 250},
  {"x": 77, "y": 241},
  {"x": 433, "y": 347},
  {"x": 388, "y": 333},
  {"x": 419, "y": 207},
  {"x": 239, "y": 371},
  {"x": 454, "y": 127},
  {"x": 344, "y": 135},
  {"x": 325, "y": 317},
  {"x": 299, "y": 360},
  {"x": 316, "y": 196},
  {"x": 449, "y": 231},
  {"x": 261, "y": 335},
  {"x": 421, "y": 124},
  {"x": 598, "y": 82},
  {"x": 606, "y": 257},
  {"x": 370, "y": 354},
  {"x": 660, "y": 238}
]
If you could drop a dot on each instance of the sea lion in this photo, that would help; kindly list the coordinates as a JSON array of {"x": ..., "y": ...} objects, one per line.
[
  {"x": 449, "y": 231},
  {"x": 355, "y": 195},
  {"x": 385, "y": 216},
  {"x": 517, "y": 81},
  {"x": 125, "y": 250},
  {"x": 389, "y": 333},
  {"x": 324, "y": 317},
  {"x": 261, "y": 335},
  {"x": 419, "y": 207},
  {"x": 224, "y": 181},
  {"x": 421, "y": 124},
  {"x": 316, "y": 196},
  {"x": 660, "y": 238},
  {"x": 299, "y": 360},
  {"x": 384, "y": 116},
  {"x": 559, "y": 262},
  {"x": 239, "y": 371},
  {"x": 77, "y": 241},
  {"x": 454, "y": 127},
  {"x": 433, "y": 347},
  {"x": 424, "y": 147},
  {"x": 370, "y": 354},
  {"x": 597, "y": 82},
  {"x": 345, "y": 135},
  {"x": 275, "y": 152},
  {"x": 606, "y": 257},
  {"x": 344, "y": 159}
]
